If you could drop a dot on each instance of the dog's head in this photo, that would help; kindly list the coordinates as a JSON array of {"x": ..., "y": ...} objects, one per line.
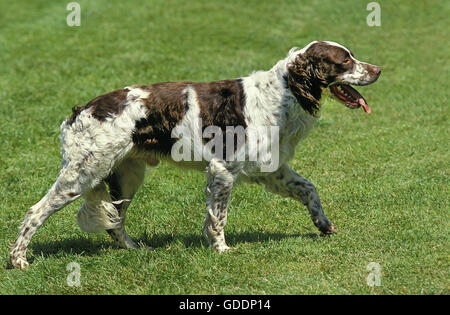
[{"x": 328, "y": 64}]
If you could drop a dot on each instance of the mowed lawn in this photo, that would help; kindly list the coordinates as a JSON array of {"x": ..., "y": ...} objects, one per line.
[{"x": 383, "y": 178}]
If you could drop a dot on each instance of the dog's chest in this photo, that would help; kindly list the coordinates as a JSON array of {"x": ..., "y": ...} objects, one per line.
[
  {"x": 295, "y": 127},
  {"x": 288, "y": 124}
]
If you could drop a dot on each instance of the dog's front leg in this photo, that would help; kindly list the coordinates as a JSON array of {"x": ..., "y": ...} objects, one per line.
[
  {"x": 286, "y": 182},
  {"x": 218, "y": 191}
]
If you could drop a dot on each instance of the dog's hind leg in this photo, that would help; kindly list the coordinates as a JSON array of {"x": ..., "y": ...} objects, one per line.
[
  {"x": 123, "y": 184},
  {"x": 69, "y": 186},
  {"x": 218, "y": 191},
  {"x": 98, "y": 213}
]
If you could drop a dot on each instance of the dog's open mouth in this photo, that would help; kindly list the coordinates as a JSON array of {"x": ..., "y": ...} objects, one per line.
[{"x": 349, "y": 96}]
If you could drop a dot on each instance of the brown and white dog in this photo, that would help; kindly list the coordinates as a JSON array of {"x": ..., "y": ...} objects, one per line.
[{"x": 109, "y": 141}]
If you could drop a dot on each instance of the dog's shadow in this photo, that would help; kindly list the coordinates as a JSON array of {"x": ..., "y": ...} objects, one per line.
[
  {"x": 232, "y": 239},
  {"x": 87, "y": 247},
  {"x": 78, "y": 246},
  {"x": 73, "y": 246}
]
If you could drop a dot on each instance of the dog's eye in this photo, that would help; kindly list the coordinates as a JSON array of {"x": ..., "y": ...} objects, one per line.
[{"x": 347, "y": 61}]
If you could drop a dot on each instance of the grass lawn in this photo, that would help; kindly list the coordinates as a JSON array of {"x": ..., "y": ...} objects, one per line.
[{"x": 383, "y": 178}]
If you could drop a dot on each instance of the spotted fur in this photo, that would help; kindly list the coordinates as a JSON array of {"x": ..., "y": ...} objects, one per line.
[{"x": 108, "y": 142}]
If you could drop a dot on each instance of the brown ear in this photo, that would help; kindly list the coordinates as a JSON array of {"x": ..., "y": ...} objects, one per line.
[{"x": 304, "y": 84}]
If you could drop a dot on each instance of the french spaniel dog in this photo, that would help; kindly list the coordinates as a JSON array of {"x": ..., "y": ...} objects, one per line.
[{"x": 107, "y": 143}]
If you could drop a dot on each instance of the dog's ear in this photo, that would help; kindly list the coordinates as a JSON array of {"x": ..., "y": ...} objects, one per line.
[{"x": 304, "y": 83}]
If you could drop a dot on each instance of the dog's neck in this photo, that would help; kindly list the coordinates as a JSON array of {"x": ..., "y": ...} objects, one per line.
[
  {"x": 272, "y": 88},
  {"x": 269, "y": 101},
  {"x": 301, "y": 81}
]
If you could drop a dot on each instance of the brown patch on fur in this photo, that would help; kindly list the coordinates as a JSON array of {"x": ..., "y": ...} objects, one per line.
[
  {"x": 71, "y": 194},
  {"x": 102, "y": 106},
  {"x": 221, "y": 104},
  {"x": 314, "y": 69},
  {"x": 306, "y": 89},
  {"x": 166, "y": 106}
]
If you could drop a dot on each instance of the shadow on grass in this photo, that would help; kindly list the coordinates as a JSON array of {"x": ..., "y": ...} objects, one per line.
[
  {"x": 86, "y": 247},
  {"x": 78, "y": 246},
  {"x": 232, "y": 239},
  {"x": 74, "y": 246}
]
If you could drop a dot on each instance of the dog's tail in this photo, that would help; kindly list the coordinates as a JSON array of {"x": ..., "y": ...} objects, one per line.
[{"x": 98, "y": 213}]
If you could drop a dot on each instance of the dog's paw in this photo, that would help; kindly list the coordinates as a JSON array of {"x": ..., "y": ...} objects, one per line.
[
  {"x": 19, "y": 263},
  {"x": 331, "y": 230},
  {"x": 325, "y": 227},
  {"x": 222, "y": 248}
]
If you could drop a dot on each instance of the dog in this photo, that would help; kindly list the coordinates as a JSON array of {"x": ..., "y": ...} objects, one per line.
[{"x": 107, "y": 143}]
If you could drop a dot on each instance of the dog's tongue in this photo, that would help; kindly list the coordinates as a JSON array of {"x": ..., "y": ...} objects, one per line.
[{"x": 363, "y": 103}]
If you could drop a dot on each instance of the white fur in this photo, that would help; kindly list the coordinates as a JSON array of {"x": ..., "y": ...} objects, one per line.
[
  {"x": 92, "y": 149},
  {"x": 98, "y": 212},
  {"x": 87, "y": 139},
  {"x": 267, "y": 103},
  {"x": 189, "y": 132}
]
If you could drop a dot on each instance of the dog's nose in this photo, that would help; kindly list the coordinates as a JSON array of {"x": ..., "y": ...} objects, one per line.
[{"x": 376, "y": 70}]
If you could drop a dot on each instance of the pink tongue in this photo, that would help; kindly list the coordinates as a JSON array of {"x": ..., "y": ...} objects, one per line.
[{"x": 366, "y": 107}]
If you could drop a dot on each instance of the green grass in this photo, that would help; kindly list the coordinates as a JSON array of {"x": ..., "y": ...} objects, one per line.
[{"x": 383, "y": 178}]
